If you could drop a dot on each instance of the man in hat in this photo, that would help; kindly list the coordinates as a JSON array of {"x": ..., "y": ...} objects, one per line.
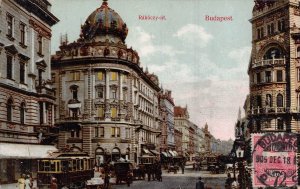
[{"x": 200, "y": 184}]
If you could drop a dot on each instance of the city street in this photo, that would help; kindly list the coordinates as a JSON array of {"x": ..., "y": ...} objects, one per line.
[{"x": 180, "y": 181}]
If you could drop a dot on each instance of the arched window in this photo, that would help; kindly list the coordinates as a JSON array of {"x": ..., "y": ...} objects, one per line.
[
  {"x": 269, "y": 100},
  {"x": 22, "y": 113},
  {"x": 279, "y": 100},
  {"x": 258, "y": 101},
  {"x": 115, "y": 154},
  {"x": 9, "y": 109},
  {"x": 273, "y": 53},
  {"x": 99, "y": 156},
  {"x": 74, "y": 90},
  {"x": 298, "y": 99},
  {"x": 298, "y": 52}
]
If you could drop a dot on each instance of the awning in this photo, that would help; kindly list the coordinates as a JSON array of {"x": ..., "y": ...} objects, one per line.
[
  {"x": 146, "y": 151},
  {"x": 25, "y": 151},
  {"x": 175, "y": 153},
  {"x": 154, "y": 152},
  {"x": 171, "y": 152},
  {"x": 165, "y": 154}
]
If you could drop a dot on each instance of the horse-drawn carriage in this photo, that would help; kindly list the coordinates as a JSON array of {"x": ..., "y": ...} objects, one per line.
[
  {"x": 123, "y": 172},
  {"x": 215, "y": 164}
]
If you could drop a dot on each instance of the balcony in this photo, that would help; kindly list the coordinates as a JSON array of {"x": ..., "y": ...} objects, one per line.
[
  {"x": 99, "y": 118},
  {"x": 268, "y": 110},
  {"x": 269, "y": 62},
  {"x": 45, "y": 91},
  {"x": 74, "y": 104}
]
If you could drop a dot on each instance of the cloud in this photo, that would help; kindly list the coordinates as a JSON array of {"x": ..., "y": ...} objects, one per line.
[
  {"x": 194, "y": 34},
  {"x": 144, "y": 43},
  {"x": 240, "y": 55}
]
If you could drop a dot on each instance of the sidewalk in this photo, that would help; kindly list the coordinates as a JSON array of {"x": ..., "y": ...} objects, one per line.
[{"x": 15, "y": 185}]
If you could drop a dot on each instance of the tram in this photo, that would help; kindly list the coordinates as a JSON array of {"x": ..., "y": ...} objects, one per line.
[{"x": 70, "y": 169}]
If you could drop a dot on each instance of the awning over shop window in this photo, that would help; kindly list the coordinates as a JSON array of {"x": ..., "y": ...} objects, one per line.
[
  {"x": 154, "y": 152},
  {"x": 25, "y": 151},
  {"x": 172, "y": 153},
  {"x": 175, "y": 153},
  {"x": 165, "y": 154},
  {"x": 146, "y": 151}
]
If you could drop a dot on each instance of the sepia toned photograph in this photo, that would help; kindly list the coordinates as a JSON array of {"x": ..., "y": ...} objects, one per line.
[{"x": 149, "y": 94}]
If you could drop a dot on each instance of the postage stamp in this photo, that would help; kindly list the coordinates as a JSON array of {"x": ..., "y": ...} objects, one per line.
[{"x": 274, "y": 159}]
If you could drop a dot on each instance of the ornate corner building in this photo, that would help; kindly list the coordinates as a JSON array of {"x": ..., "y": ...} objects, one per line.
[
  {"x": 26, "y": 95},
  {"x": 108, "y": 106},
  {"x": 274, "y": 68}
]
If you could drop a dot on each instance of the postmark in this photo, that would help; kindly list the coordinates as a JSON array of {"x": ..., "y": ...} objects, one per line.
[{"x": 274, "y": 160}]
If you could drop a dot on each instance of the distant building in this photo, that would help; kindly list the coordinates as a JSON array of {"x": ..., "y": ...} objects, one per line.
[
  {"x": 207, "y": 139},
  {"x": 182, "y": 123},
  {"x": 178, "y": 141},
  {"x": 108, "y": 105},
  {"x": 26, "y": 97},
  {"x": 167, "y": 128}
]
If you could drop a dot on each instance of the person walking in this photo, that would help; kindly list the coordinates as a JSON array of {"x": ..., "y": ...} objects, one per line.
[
  {"x": 182, "y": 167},
  {"x": 53, "y": 184},
  {"x": 106, "y": 179},
  {"x": 28, "y": 183},
  {"x": 200, "y": 184},
  {"x": 21, "y": 182},
  {"x": 228, "y": 181}
]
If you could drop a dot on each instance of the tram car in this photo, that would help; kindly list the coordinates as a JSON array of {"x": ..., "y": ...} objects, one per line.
[{"x": 68, "y": 169}]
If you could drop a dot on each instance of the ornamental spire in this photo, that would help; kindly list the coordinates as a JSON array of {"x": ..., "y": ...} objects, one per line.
[{"x": 105, "y": 2}]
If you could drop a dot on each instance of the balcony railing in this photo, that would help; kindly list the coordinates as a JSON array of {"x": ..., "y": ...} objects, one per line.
[
  {"x": 269, "y": 62},
  {"x": 99, "y": 118},
  {"x": 268, "y": 110}
]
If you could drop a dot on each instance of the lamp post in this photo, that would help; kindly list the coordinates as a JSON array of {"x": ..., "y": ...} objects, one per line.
[{"x": 240, "y": 156}]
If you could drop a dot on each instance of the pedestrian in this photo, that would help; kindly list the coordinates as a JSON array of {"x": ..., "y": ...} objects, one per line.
[
  {"x": 129, "y": 178},
  {"x": 182, "y": 167},
  {"x": 228, "y": 181},
  {"x": 53, "y": 184},
  {"x": 200, "y": 184},
  {"x": 149, "y": 173},
  {"x": 28, "y": 183},
  {"x": 234, "y": 184},
  {"x": 21, "y": 182},
  {"x": 106, "y": 179}
]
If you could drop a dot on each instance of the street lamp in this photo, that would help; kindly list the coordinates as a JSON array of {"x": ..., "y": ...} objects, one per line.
[{"x": 240, "y": 156}]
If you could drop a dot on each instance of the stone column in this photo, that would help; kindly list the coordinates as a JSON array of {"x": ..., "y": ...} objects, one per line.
[{"x": 107, "y": 90}]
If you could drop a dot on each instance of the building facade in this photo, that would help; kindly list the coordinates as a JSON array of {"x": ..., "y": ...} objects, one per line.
[
  {"x": 178, "y": 142},
  {"x": 108, "y": 105},
  {"x": 167, "y": 128},
  {"x": 26, "y": 98},
  {"x": 207, "y": 139},
  {"x": 274, "y": 67},
  {"x": 182, "y": 123}
]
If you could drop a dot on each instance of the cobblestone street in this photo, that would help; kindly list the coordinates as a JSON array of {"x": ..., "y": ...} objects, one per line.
[{"x": 180, "y": 181}]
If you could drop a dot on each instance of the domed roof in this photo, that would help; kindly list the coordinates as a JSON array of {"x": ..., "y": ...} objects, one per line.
[{"x": 104, "y": 21}]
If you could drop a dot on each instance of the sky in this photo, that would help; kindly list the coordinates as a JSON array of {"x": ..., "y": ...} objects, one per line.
[{"x": 203, "y": 62}]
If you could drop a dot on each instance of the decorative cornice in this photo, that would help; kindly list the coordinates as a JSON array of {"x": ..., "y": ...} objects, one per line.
[{"x": 42, "y": 30}]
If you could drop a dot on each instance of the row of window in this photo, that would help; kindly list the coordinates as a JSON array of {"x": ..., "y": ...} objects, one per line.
[
  {"x": 266, "y": 77},
  {"x": 23, "y": 33},
  {"x": 271, "y": 29},
  {"x": 267, "y": 125},
  {"x": 75, "y": 76},
  {"x": 99, "y": 132},
  {"x": 9, "y": 111},
  {"x": 269, "y": 101},
  {"x": 100, "y": 92}
]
